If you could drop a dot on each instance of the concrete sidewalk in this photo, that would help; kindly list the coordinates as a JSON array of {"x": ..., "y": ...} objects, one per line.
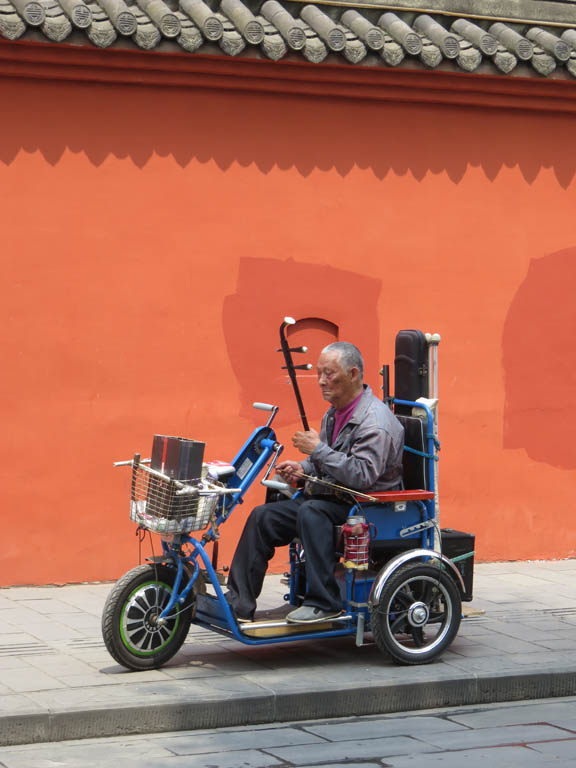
[{"x": 58, "y": 682}]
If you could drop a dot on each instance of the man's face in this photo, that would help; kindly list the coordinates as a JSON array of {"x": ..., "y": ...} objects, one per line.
[{"x": 338, "y": 385}]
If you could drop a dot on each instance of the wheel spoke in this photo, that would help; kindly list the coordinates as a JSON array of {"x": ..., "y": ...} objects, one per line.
[
  {"x": 135, "y": 612},
  {"x": 405, "y": 599},
  {"x": 399, "y": 624},
  {"x": 438, "y": 619},
  {"x": 147, "y": 641},
  {"x": 142, "y": 603},
  {"x": 153, "y": 596},
  {"x": 428, "y": 592},
  {"x": 418, "y": 636},
  {"x": 138, "y": 635}
]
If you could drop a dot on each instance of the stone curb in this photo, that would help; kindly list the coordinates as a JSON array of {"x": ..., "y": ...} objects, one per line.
[{"x": 269, "y": 706}]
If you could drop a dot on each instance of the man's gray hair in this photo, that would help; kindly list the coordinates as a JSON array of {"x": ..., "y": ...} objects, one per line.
[{"x": 349, "y": 355}]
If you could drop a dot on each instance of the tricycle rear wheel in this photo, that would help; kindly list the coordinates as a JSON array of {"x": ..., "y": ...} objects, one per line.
[
  {"x": 132, "y": 634},
  {"x": 418, "y": 614}
]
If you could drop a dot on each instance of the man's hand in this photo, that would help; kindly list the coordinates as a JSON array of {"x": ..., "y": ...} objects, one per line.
[
  {"x": 306, "y": 441},
  {"x": 290, "y": 471}
]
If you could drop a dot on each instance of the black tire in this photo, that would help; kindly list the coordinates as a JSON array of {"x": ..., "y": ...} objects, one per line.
[
  {"x": 418, "y": 614},
  {"x": 130, "y": 634}
]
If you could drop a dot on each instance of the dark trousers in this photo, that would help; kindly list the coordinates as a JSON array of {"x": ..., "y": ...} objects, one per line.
[{"x": 312, "y": 520}]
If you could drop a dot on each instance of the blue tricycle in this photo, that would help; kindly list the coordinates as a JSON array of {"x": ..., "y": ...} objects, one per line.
[{"x": 402, "y": 578}]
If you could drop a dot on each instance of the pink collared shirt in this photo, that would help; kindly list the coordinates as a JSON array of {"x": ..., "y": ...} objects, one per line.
[{"x": 343, "y": 416}]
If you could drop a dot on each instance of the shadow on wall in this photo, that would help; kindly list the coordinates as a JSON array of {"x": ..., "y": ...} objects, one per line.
[
  {"x": 329, "y": 304},
  {"x": 540, "y": 363},
  {"x": 272, "y": 131}
]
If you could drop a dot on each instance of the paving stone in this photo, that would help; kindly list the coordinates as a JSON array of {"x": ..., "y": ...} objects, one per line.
[
  {"x": 97, "y": 656},
  {"x": 247, "y": 759},
  {"x": 7, "y": 629},
  {"x": 543, "y": 712},
  {"x": 85, "y": 681},
  {"x": 18, "y": 704},
  {"x": 483, "y": 665},
  {"x": 512, "y": 645},
  {"x": 12, "y": 662},
  {"x": 50, "y": 630},
  {"x": 524, "y": 632},
  {"x": 198, "y": 743},
  {"x": 32, "y": 680},
  {"x": 59, "y": 665},
  {"x": 378, "y": 728},
  {"x": 85, "y": 622},
  {"x": 554, "y": 626},
  {"x": 497, "y": 757},
  {"x": 118, "y": 674},
  {"x": 51, "y": 606},
  {"x": 567, "y": 723},
  {"x": 351, "y": 750},
  {"x": 527, "y": 580},
  {"x": 83, "y": 754},
  {"x": 16, "y": 640},
  {"x": 546, "y": 659},
  {"x": 501, "y": 598},
  {"x": 562, "y": 749},
  {"x": 489, "y": 737},
  {"x": 475, "y": 650},
  {"x": 23, "y": 594}
]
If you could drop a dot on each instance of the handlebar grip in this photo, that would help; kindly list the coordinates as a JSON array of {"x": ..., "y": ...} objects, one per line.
[
  {"x": 263, "y": 406},
  {"x": 277, "y": 485}
]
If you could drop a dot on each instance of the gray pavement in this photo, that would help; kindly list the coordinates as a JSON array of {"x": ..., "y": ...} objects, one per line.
[
  {"x": 58, "y": 682},
  {"x": 540, "y": 733}
]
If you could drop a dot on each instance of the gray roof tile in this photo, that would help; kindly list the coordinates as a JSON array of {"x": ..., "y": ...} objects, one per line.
[
  {"x": 31, "y": 11},
  {"x": 101, "y": 31},
  {"x": 284, "y": 22},
  {"x": 504, "y": 60},
  {"x": 278, "y": 29},
  {"x": 392, "y": 53},
  {"x": 56, "y": 25},
  {"x": 190, "y": 37}
]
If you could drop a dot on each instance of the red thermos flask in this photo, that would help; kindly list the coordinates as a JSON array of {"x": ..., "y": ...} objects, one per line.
[{"x": 356, "y": 532}]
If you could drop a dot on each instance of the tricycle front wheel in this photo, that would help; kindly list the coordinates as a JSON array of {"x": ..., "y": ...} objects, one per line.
[
  {"x": 418, "y": 614},
  {"x": 132, "y": 633}
]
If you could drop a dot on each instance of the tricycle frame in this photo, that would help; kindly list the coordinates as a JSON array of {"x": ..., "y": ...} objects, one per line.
[{"x": 403, "y": 522}]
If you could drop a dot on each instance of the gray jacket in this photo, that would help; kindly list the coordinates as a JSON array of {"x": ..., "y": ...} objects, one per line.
[{"x": 367, "y": 453}]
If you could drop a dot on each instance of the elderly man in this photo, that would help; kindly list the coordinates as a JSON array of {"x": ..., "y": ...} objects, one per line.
[{"x": 359, "y": 447}]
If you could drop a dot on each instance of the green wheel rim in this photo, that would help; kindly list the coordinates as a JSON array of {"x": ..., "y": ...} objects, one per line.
[{"x": 140, "y": 634}]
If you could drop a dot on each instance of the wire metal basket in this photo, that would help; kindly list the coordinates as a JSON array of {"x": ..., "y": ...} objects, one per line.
[{"x": 158, "y": 503}]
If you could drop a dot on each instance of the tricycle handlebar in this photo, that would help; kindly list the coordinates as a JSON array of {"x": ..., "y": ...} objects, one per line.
[{"x": 277, "y": 485}]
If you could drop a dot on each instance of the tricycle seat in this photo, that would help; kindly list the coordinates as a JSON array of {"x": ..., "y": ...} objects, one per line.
[{"x": 383, "y": 497}]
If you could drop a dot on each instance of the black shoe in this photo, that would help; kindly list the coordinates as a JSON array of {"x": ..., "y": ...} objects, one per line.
[{"x": 239, "y": 619}]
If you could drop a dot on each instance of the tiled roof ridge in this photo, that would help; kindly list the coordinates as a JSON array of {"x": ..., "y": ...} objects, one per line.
[
  {"x": 368, "y": 5},
  {"x": 544, "y": 12},
  {"x": 308, "y": 31}
]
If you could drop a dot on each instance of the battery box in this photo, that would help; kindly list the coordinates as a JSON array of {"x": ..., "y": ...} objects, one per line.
[{"x": 456, "y": 544}]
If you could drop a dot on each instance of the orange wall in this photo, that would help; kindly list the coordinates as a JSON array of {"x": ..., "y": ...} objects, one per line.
[{"x": 152, "y": 240}]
